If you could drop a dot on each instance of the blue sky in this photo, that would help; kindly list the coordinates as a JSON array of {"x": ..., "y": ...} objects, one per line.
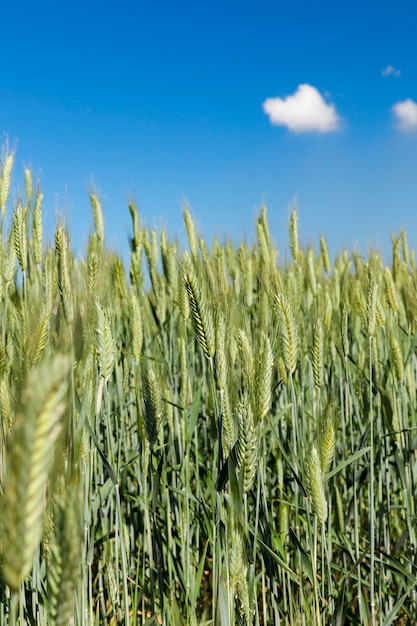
[{"x": 223, "y": 105}]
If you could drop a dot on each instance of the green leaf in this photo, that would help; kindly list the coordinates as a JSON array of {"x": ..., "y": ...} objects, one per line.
[
  {"x": 350, "y": 459},
  {"x": 199, "y": 576}
]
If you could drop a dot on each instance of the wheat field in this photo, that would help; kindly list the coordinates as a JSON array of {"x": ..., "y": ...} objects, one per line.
[{"x": 209, "y": 436}]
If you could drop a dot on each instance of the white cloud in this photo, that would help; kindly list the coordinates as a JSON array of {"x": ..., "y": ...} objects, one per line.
[
  {"x": 406, "y": 114},
  {"x": 304, "y": 111},
  {"x": 390, "y": 70}
]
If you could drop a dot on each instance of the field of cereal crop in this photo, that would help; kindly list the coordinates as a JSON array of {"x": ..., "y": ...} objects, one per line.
[{"x": 207, "y": 436}]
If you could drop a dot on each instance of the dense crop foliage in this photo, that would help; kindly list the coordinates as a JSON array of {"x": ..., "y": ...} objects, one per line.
[{"x": 210, "y": 437}]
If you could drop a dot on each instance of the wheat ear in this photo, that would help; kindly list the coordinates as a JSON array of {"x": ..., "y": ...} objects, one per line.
[
  {"x": 64, "y": 562},
  {"x": 201, "y": 314},
  {"x": 396, "y": 358},
  {"x": 64, "y": 281},
  {"x": 136, "y": 326},
  {"x": 391, "y": 290},
  {"x": 248, "y": 444},
  {"x": 289, "y": 332},
  {"x": 237, "y": 562},
  {"x": 314, "y": 484},
  {"x": 169, "y": 260},
  {"x": 5, "y": 179},
  {"x": 247, "y": 357},
  {"x": 37, "y": 227},
  {"x": 263, "y": 379},
  {"x": 371, "y": 304},
  {"x": 324, "y": 254},
  {"x": 317, "y": 358},
  {"x": 294, "y": 247},
  {"x": 28, "y": 185},
  {"x": 97, "y": 215},
  {"x": 191, "y": 233},
  {"x": 106, "y": 345},
  {"x": 222, "y": 375},
  {"x": 327, "y": 440},
  {"x": 153, "y": 406},
  {"x": 245, "y": 262},
  {"x": 311, "y": 271},
  {"x": 23, "y": 499},
  {"x": 20, "y": 236},
  {"x": 137, "y": 237}
]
